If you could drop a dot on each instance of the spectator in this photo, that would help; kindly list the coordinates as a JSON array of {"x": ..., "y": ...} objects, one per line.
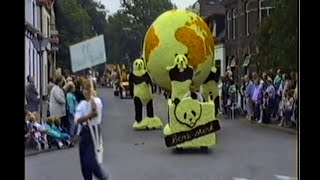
[
  {"x": 287, "y": 109},
  {"x": 57, "y": 125},
  {"x": 50, "y": 86},
  {"x": 249, "y": 88},
  {"x": 257, "y": 100},
  {"x": 37, "y": 133},
  {"x": 271, "y": 98},
  {"x": 71, "y": 107},
  {"x": 293, "y": 80},
  {"x": 270, "y": 89},
  {"x": 287, "y": 83},
  {"x": 55, "y": 136},
  {"x": 277, "y": 80},
  {"x": 225, "y": 94},
  {"x": 264, "y": 82},
  {"x": 296, "y": 102},
  {"x": 78, "y": 93},
  {"x": 58, "y": 101},
  {"x": 267, "y": 108},
  {"x": 272, "y": 74},
  {"x": 32, "y": 96}
]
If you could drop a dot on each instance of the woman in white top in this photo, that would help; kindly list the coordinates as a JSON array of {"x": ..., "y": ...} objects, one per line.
[{"x": 89, "y": 110}]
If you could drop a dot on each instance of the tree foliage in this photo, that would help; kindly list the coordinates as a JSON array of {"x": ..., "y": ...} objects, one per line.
[
  {"x": 78, "y": 20},
  {"x": 126, "y": 29},
  {"x": 277, "y": 38},
  {"x": 74, "y": 25}
]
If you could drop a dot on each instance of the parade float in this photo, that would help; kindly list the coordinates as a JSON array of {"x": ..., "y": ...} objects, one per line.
[{"x": 179, "y": 51}]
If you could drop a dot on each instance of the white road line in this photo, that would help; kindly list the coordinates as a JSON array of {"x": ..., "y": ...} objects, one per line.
[
  {"x": 282, "y": 177},
  {"x": 236, "y": 178}
]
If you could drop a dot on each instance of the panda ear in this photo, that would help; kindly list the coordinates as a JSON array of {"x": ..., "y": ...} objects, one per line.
[
  {"x": 142, "y": 58},
  {"x": 176, "y": 55},
  {"x": 176, "y": 101},
  {"x": 186, "y": 55}
]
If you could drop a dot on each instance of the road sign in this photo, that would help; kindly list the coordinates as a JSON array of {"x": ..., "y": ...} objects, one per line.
[{"x": 88, "y": 53}]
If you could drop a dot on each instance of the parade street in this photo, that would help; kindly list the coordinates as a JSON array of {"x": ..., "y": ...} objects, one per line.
[{"x": 243, "y": 151}]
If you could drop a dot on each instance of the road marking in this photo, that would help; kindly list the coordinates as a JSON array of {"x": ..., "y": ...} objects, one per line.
[
  {"x": 236, "y": 178},
  {"x": 282, "y": 177}
]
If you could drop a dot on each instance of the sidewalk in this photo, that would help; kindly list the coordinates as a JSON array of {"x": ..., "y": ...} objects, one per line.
[{"x": 273, "y": 126}]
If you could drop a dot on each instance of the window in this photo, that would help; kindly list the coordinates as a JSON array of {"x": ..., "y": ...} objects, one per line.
[
  {"x": 229, "y": 24},
  {"x": 234, "y": 24},
  {"x": 34, "y": 14},
  {"x": 247, "y": 19},
  {"x": 265, "y": 9},
  {"x": 48, "y": 27}
]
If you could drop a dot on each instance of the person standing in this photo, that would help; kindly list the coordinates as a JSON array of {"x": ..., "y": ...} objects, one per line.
[
  {"x": 58, "y": 102},
  {"x": 78, "y": 93},
  {"x": 89, "y": 110},
  {"x": 249, "y": 88},
  {"x": 50, "y": 86},
  {"x": 277, "y": 80},
  {"x": 71, "y": 104},
  {"x": 257, "y": 100},
  {"x": 32, "y": 96}
]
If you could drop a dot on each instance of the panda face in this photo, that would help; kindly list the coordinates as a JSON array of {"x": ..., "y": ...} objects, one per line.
[
  {"x": 188, "y": 112},
  {"x": 138, "y": 65},
  {"x": 181, "y": 61}
]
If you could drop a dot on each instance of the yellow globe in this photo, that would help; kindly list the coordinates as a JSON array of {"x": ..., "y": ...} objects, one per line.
[{"x": 181, "y": 32}]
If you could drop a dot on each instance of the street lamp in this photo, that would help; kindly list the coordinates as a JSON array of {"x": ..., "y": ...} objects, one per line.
[{"x": 40, "y": 44}]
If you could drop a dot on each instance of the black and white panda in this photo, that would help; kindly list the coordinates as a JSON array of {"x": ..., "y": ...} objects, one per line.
[
  {"x": 181, "y": 75},
  {"x": 210, "y": 87},
  {"x": 140, "y": 89}
]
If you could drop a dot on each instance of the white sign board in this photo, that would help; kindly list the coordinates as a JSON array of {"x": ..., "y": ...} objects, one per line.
[{"x": 88, "y": 53}]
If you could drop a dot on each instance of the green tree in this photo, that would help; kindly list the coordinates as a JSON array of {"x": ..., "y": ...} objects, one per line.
[
  {"x": 277, "y": 37},
  {"x": 126, "y": 29},
  {"x": 74, "y": 25}
]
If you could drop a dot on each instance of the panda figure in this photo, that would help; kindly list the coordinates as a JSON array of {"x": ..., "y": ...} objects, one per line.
[
  {"x": 210, "y": 87},
  {"x": 192, "y": 124},
  {"x": 140, "y": 89},
  {"x": 181, "y": 75}
]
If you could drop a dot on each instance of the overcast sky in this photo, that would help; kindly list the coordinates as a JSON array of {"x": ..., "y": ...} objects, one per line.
[{"x": 114, "y": 5}]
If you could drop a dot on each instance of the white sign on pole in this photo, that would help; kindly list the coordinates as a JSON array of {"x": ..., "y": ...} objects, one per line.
[{"x": 88, "y": 53}]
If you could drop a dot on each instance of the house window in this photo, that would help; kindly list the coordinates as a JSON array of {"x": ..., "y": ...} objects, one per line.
[
  {"x": 234, "y": 24},
  {"x": 247, "y": 19},
  {"x": 265, "y": 9},
  {"x": 48, "y": 27},
  {"x": 34, "y": 14},
  {"x": 229, "y": 24}
]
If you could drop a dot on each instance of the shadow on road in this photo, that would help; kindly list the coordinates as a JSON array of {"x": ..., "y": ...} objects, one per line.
[{"x": 192, "y": 151}]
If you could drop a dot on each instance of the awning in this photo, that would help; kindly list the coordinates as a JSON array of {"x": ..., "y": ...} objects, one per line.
[
  {"x": 246, "y": 61},
  {"x": 233, "y": 62}
]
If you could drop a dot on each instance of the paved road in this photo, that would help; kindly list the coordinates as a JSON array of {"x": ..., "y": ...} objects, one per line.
[{"x": 243, "y": 151}]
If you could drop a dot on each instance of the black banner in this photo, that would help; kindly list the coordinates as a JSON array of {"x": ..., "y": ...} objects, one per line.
[{"x": 181, "y": 137}]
